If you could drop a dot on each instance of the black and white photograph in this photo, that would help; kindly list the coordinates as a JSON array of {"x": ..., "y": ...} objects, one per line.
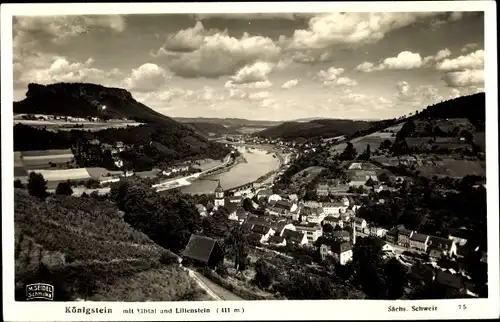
[{"x": 244, "y": 156}]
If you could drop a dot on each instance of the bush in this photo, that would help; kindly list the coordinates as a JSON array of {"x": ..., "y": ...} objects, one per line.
[
  {"x": 37, "y": 185},
  {"x": 64, "y": 188}
]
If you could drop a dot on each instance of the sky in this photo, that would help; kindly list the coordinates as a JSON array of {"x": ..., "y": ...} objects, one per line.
[{"x": 269, "y": 66}]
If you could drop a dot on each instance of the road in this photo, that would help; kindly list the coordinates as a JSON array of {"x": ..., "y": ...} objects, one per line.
[
  {"x": 214, "y": 290},
  {"x": 175, "y": 183}
]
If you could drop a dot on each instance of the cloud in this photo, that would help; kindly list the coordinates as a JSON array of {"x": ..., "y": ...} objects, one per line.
[
  {"x": 188, "y": 39},
  {"x": 147, "y": 77},
  {"x": 364, "y": 102},
  {"x": 474, "y": 60},
  {"x": 289, "y": 84},
  {"x": 61, "y": 70},
  {"x": 404, "y": 60},
  {"x": 331, "y": 76},
  {"x": 465, "y": 78},
  {"x": 254, "y": 16},
  {"x": 350, "y": 28},
  {"x": 259, "y": 96},
  {"x": 213, "y": 53},
  {"x": 446, "y": 18},
  {"x": 366, "y": 67},
  {"x": 469, "y": 47},
  {"x": 256, "y": 72},
  {"x": 419, "y": 96}
]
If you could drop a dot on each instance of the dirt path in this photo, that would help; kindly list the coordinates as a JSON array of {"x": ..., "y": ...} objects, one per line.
[{"x": 221, "y": 293}]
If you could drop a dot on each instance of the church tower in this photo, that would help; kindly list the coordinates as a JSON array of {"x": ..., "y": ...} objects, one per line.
[{"x": 219, "y": 196}]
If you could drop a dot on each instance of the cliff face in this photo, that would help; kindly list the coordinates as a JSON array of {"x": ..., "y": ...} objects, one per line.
[{"x": 83, "y": 100}]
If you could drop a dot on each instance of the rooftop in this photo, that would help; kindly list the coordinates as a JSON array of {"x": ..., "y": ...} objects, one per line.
[{"x": 199, "y": 248}]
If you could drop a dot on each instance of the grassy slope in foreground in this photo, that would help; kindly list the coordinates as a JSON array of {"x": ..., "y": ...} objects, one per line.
[{"x": 90, "y": 253}]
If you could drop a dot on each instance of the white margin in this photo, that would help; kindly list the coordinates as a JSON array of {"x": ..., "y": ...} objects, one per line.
[{"x": 253, "y": 310}]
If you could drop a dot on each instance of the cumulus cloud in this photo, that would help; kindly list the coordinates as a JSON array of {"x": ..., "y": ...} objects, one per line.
[
  {"x": 465, "y": 78},
  {"x": 59, "y": 69},
  {"x": 469, "y": 47},
  {"x": 364, "y": 101},
  {"x": 404, "y": 60},
  {"x": 331, "y": 76},
  {"x": 325, "y": 30},
  {"x": 289, "y": 84},
  {"x": 188, "y": 39},
  {"x": 148, "y": 77},
  {"x": 213, "y": 53},
  {"x": 256, "y": 72},
  {"x": 474, "y": 60},
  {"x": 464, "y": 71},
  {"x": 259, "y": 96},
  {"x": 421, "y": 95}
]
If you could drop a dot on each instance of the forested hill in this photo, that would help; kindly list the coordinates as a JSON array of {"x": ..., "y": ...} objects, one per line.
[
  {"x": 84, "y": 100},
  {"x": 315, "y": 128},
  {"x": 471, "y": 107}
]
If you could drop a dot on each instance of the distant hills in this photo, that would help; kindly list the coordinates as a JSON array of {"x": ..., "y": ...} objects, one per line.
[
  {"x": 315, "y": 128},
  {"x": 84, "y": 100}
]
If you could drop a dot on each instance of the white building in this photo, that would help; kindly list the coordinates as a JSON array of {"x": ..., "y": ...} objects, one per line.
[
  {"x": 334, "y": 208},
  {"x": 219, "y": 196}
]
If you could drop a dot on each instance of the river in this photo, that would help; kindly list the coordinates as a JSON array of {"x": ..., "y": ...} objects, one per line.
[{"x": 259, "y": 162}]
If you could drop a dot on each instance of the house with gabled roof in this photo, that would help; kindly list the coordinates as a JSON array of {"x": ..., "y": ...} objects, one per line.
[
  {"x": 334, "y": 208},
  {"x": 312, "y": 230},
  {"x": 295, "y": 237},
  {"x": 203, "y": 250},
  {"x": 404, "y": 236},
  {"x": 340, "y": 250},
  {"x": 446, "y": 246},
  {"x": 333, "y": 221},
  {"x": 277, "y": 241},
  {"x": 256, "y": 238},
  {"x": 265, "y": 231},
  {"x": 240, "y": 215},
  {"x": 419, "y": 241}
]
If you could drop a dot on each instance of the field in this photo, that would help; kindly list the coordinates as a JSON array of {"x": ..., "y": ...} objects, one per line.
[
  {"x": 373, "y": 140},
  {"x": 250, "y": 130},
  {"x": 307, "y": 174},
  {"x": 92, "y": 252},
  {"x": 68, "y": 126},
  {"x": 452, "y": 168}
]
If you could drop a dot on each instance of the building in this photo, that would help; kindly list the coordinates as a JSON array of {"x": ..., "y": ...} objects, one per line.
[
  {"x": 277, "y": 241},
  {"x": 334, "y": 208},
  {"x": 435, "y": 254},
  {"x": 340, "y": 250},
  {"x": 265, "y": 231},
  {"x": 460, "y": 237},
  {"x": 341, "y": 235},
  {"x": 419, "y": 242},
  {"x": 333, "y": 221},
  {"x": 203, "y": 250},
  {"x": 219, "y": 196},
  {"x": 256, "y": 238},
  {"x": 295, "y": 237},
  {"x": 312, "y": 230},
  {"x": 240, "y": 215},
  {"x": 358, "y": 223},
  {"x": 274, "y": 198},
  {"x": 377, "y": 231},
  {"x": 392, "y": 236},
  {"x": 387, "y": 248},
  {"x": 264, "y": 194},
  {"x": 280, "y": 226},
  {"x": 446, "y": 246},
  {"x": 322, "y": 190},
  {"x": 202, "y": 210},
  {"x": 404, "y": 236}
]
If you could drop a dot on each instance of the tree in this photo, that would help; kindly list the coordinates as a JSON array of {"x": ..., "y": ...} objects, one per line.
[
  {"x": 64, "y": 188},
  {"x": 327, "y": 228},
  {"x": 37, "y": 185},
  {"x": 264, "y": 274},
  {"x": 349, "y": 152},
  {"x": 248, "y": 204},
  {"x": 236, "y": 245},
  {"x": 385, "y": 145},
  {"x": 395, "y": 279},
  {"x": 18, "y": 184}
]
